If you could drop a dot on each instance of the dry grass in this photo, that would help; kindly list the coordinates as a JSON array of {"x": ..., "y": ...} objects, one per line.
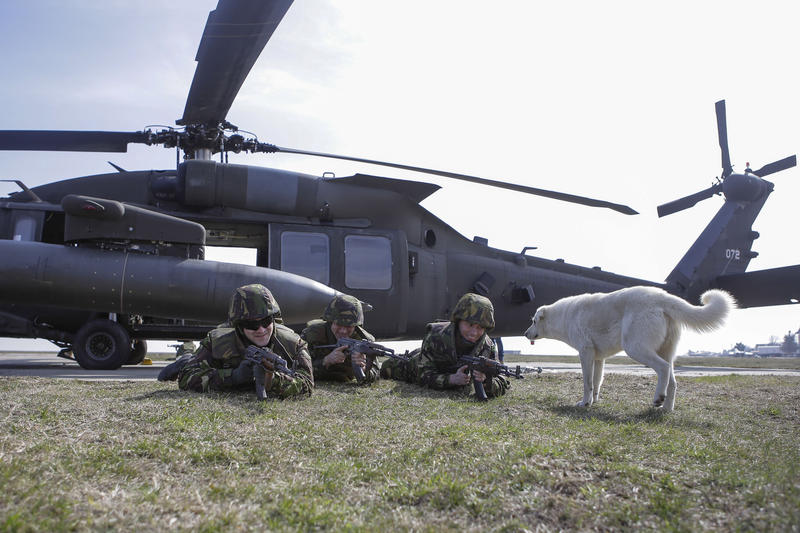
[{"x": 130, "y": 455}]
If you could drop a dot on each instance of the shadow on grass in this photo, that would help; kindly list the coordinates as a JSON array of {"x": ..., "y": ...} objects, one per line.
[
  {"x": 386, "y": 386},
  {"x": 157, "y": 394},
  {"x": 237, "y": 398},
  {"x": 338, "y": 387},
  {"x": 410, "y": 390},
  {"x": 649, "y": 415}
]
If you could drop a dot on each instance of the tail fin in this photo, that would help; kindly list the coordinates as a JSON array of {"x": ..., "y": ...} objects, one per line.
[{"x": 724, "y": 247}]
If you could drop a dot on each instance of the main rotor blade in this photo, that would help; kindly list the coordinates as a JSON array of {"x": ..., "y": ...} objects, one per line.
[
  {"x": 235, "y": 34},
  {"x": 492, "y": 183},
  {"x": 776, "y": 166},
  {"x": 69, "y": 141},
  {"x": 687, "y": 201},
  {"x": 722, "y": 131}
]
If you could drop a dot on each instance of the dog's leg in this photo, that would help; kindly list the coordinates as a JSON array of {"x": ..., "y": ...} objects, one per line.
[
  {"x": 597, "y": 378},
  {"x": 642, "y": 336},
  {"x": 669, "y": 405},
  {"x": 664, "y": 373},
  {"x": 667, "y": 352},
  {"x": 587, "y": 367},
  {"x": 647, "y": 356}
]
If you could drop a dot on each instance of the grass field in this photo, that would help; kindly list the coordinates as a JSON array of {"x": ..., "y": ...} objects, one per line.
[
  {"x": 79, "y": 455},
  {"x": 788, "y": 363}
]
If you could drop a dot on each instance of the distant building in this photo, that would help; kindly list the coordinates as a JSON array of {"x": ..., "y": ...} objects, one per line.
[{"x": 768, "y": 350}]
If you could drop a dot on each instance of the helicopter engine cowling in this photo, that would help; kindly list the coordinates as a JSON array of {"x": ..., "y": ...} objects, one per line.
[
  {"x": 204, "y": 183},
  {"x": 110, "y": 224}
]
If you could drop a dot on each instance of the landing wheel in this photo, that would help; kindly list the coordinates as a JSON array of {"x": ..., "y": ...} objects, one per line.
[
  {"x": 138, "y": 351},
  {"x": 102, "y": 345}
]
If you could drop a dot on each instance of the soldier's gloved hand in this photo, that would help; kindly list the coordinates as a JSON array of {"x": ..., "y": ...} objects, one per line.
[
  {"x": 242, "y": 373},
  {"x": 359, "y": 359},
  {"x": 336, "y": 356},
  {"x": 460, "y": 377}
]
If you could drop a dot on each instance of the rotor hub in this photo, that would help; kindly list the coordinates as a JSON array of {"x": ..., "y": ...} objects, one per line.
[{"x": 743, "y": 187}]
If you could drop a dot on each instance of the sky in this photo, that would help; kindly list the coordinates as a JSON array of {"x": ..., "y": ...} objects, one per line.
[{"x": 611, "y": 100}]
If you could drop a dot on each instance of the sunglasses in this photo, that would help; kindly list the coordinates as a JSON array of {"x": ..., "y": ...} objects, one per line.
[{"x": 255, "y": 324}]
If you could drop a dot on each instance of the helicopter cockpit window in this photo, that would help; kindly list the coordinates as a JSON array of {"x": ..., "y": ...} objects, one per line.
[
  {"x": 368, "y": 262},
  {"x": 26, "y": 226},
  {"x": 306, "y": 254}
]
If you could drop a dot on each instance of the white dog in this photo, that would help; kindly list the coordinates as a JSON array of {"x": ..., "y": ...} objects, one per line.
[{"x": 646, "y": 322}]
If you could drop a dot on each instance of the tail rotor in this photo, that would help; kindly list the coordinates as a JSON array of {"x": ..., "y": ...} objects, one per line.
[{"x": 737, "y": 187}]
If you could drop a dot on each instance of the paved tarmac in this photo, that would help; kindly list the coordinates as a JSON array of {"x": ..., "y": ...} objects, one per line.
[{"x": 49, "y": 365}]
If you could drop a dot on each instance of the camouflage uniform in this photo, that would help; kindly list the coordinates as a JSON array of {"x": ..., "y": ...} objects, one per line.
[
  {"x": 433, "y": 364},
  {"x": 346, "y": 311},
  {"x": 188, "y": 347},
  {"x": 217, "y": 364}
]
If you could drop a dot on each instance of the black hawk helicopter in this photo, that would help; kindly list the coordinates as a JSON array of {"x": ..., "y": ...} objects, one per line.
[{"x": 98, "y": 264}]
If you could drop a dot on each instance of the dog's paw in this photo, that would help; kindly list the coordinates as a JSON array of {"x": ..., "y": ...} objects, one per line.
[
  {"x": 659, "y": 401},
  {"x": 583, "y": 404}
]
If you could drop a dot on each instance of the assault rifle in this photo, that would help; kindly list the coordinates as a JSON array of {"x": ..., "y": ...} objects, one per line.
[
  {"x": 265, "y": 359},
  {"x": 368, "y": 348},
  {"x": 490, "y": 368}
]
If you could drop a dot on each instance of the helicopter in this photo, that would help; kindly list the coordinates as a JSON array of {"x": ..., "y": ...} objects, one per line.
[{"x": 365, "y": 235}]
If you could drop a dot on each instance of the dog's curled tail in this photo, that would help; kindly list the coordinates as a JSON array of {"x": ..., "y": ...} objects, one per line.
[{"x": 716, "y": 307}]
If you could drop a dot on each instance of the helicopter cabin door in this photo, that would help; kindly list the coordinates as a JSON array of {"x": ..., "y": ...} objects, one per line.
[{"x": 371, "y": 265}]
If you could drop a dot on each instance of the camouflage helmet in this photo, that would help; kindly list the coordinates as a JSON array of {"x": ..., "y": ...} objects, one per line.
[
  {"x": 345, "y": 310},
  {"x": 476, "y": 309},
  {"x": 252, "y": 302}
]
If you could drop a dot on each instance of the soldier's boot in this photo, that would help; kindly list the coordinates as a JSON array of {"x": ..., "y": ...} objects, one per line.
[{"x": 171, "y": 371}]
